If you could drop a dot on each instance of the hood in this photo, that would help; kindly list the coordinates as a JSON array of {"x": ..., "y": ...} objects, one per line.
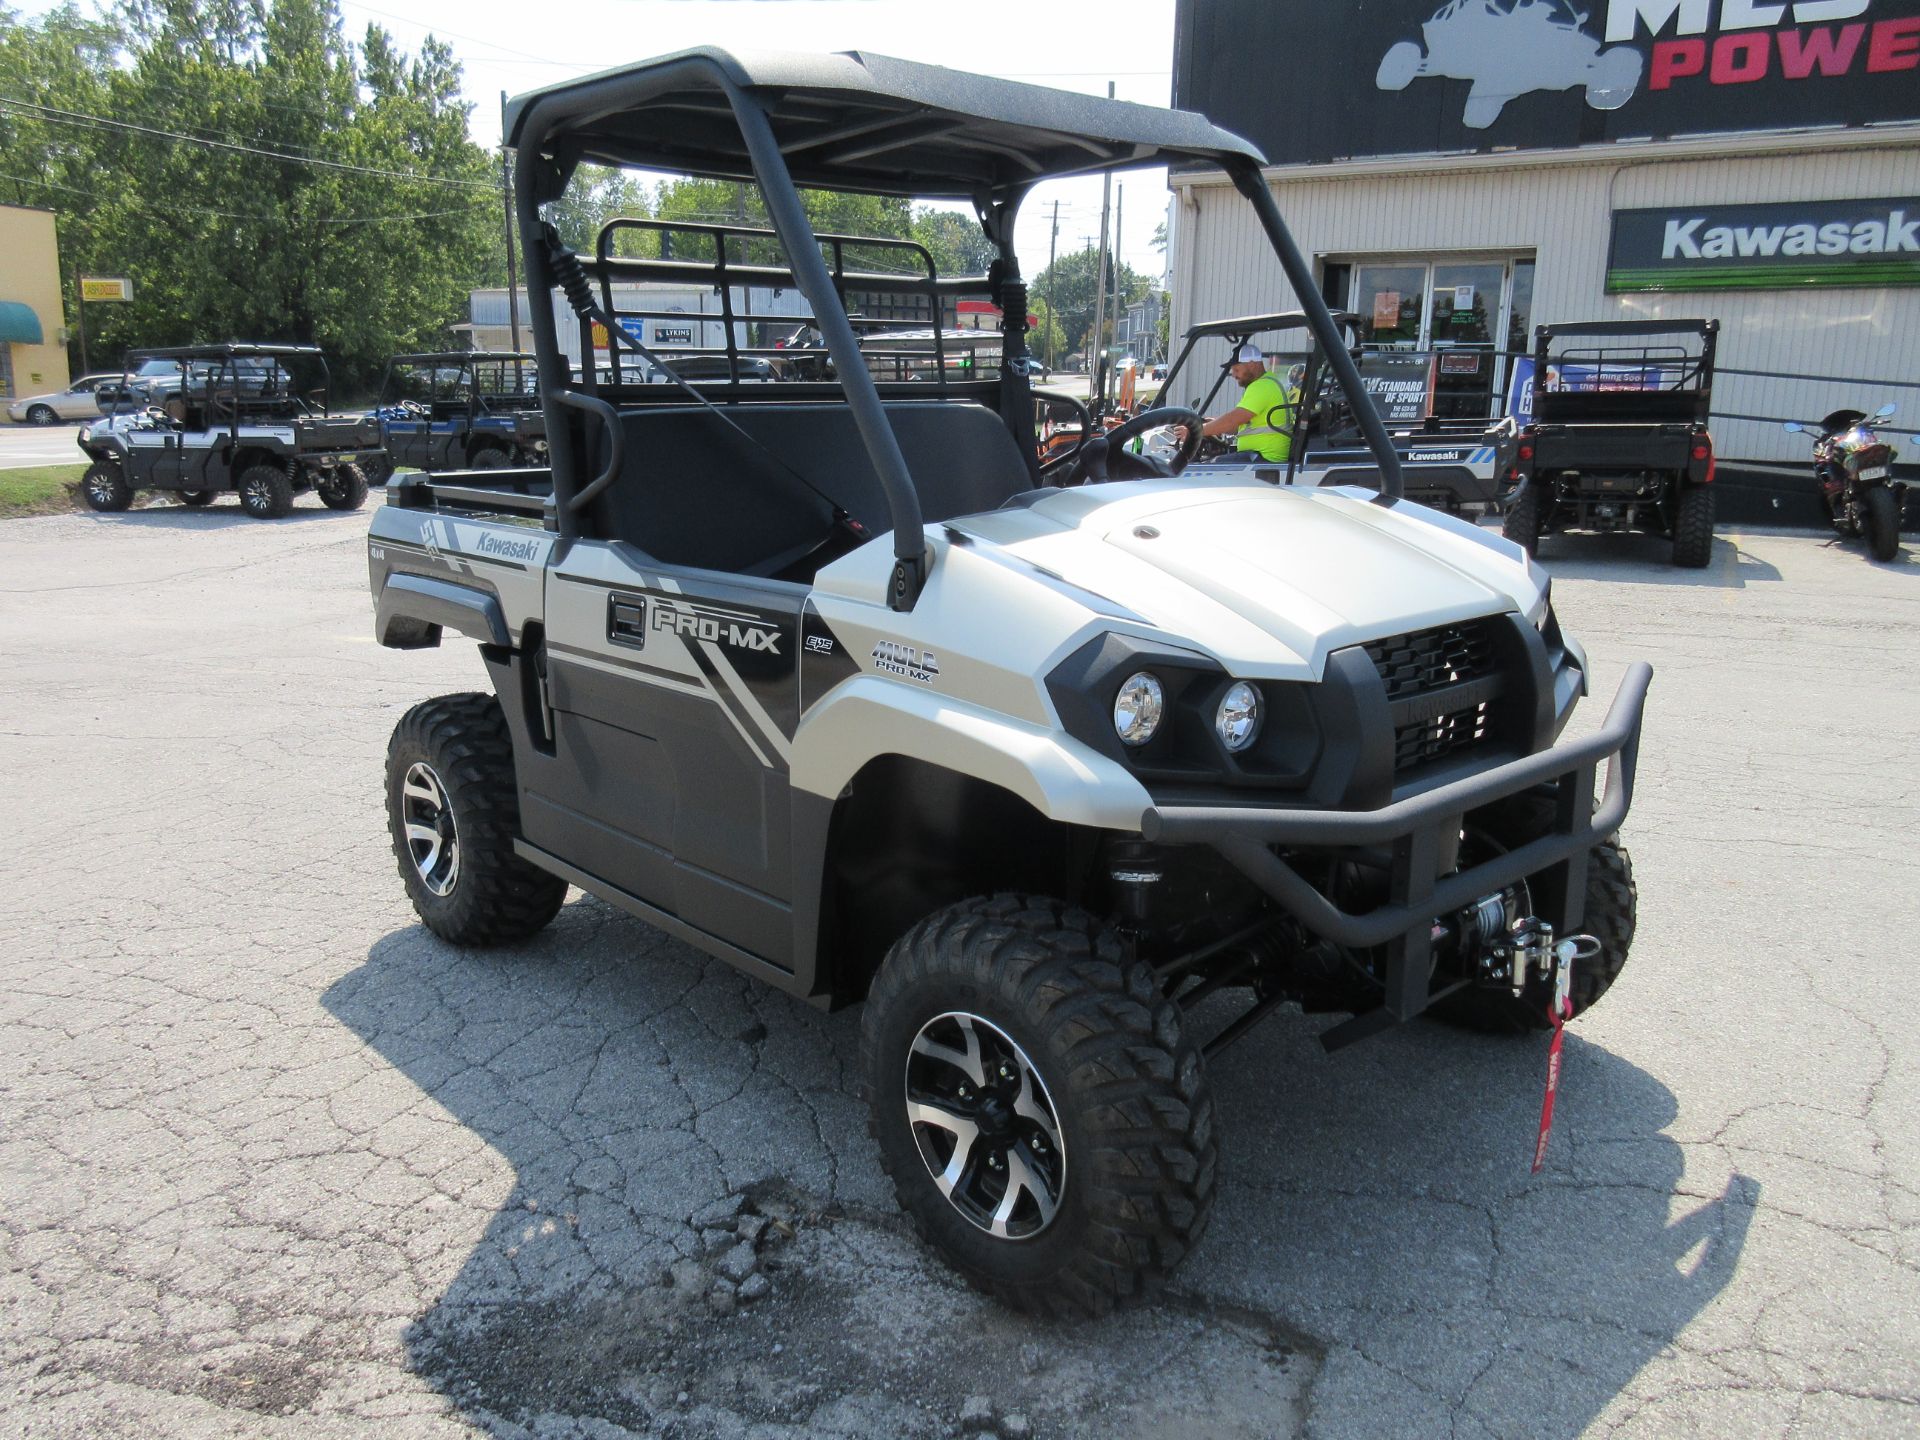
[{"x": 1268, "y": 579}]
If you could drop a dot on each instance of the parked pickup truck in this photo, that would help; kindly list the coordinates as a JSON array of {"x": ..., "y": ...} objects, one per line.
[{"x": 1618, "y": 438}]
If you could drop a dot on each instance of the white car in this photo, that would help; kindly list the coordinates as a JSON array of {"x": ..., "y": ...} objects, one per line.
[{"x": 82, "y": 400}]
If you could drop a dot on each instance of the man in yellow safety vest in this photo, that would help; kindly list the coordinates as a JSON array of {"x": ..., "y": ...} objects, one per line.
[{"x": 1263, "y": 420}]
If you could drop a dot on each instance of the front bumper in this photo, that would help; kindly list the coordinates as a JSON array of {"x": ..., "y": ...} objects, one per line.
[{"x": 1419, "y": 831}]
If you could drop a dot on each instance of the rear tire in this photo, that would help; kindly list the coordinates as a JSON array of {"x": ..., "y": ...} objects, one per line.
[
  {"x": 1059, "y": 1025},
  {"x": 1693, "y": 528},
  {"x": 453, "y": 811},
  {"x": 1522, "y": 522},
  {"x": 1883, "y": 523},
  {"x": 265, "y": 492},
  {"x": 490, "y": 459},
  {"x": 196, "y": 498},
  {"x": 105, "y": 488},
  {"x": 345, "y": 489}
]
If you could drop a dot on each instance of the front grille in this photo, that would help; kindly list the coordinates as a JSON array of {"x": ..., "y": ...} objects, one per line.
[
  {"x": 1416, "y": 665},
  {"x": 1427, "y": 659}
]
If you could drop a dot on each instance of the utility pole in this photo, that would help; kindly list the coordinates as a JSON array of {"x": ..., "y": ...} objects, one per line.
[
  {"x": 80, "y": 316},
  {"x": 513, "y": 274},
  {"x": 1100, "y": 290},
  {"x": 1119, "y": 251},
  {"x": 1053, "y": 245}
]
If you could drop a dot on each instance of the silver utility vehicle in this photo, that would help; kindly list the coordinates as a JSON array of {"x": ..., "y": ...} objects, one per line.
[
  {"x": 1069, "y": 784},
  {"x": 200, "y": 420}
]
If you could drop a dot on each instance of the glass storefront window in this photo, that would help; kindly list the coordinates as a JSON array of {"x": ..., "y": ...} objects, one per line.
[
  {"x": 1387, "y": 300},
  {"x": 1465, "y": 311}
]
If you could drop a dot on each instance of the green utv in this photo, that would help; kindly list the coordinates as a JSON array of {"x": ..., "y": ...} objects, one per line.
[{"x": 1069, "y": 777}]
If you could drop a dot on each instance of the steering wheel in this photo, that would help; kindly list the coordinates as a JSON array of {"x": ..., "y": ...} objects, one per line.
[
  {"x": 1059, "y": 464},
  {"x": 1104, "y": 458}
]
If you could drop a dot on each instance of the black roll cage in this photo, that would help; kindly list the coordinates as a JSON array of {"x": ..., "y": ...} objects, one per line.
[
  {"x": 226, "y": 354},
  {"x": 466, "y": 360},
  {"x": 863, "y": 124}
]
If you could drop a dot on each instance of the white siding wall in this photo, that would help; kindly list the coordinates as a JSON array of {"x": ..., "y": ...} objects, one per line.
[{"x": 1223, "y": 266}]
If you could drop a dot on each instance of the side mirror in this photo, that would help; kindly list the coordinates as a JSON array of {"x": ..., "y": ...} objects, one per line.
[
  {"x": 1885, "y": 410},
  {"x": 1793, "y": 425}
]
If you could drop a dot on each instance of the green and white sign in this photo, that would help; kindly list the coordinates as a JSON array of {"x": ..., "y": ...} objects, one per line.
[{"x": 1767, "y": 247}]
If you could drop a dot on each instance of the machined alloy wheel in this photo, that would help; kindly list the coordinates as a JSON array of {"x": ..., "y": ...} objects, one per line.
[
  {"x": 985, "y": 1125},
  {"x": 453, "y": 810},
  {"x": 433, "y": 839},
  {"x": 266, "y": 492},
  {"x": 1042, "y": 1113},
  {"x": 105, "y": 488}
]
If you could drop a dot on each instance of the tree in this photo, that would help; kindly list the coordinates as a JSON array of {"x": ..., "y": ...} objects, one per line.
[
  {"x": 957, "y": 243},
  {"x": 1068, "y": 285},
  {"x": 255, "y": 174},
  {"x": 1046, "y": 339}
]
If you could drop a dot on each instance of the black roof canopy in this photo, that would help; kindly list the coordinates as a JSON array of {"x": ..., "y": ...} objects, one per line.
[
  {"x": 856, "y": 121},
  {"x": 226, "y": 350}
]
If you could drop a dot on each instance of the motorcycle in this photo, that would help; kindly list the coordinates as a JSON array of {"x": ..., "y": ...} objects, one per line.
[{"x": 1853, "y": 468}]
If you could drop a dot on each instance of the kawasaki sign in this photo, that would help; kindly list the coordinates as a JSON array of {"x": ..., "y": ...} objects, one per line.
[
  {"x": 1399, "y": 77},
  {"x": 1767, "y": 247}
]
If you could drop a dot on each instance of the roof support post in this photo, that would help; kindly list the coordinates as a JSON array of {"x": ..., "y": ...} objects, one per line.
[
  {"x": 551, "y": 359},
  {"x": 1248, "y": 180},
  {"x": 910, "y": 549}
]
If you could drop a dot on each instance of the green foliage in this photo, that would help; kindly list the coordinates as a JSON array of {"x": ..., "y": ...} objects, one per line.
[
  {"x": 957, "y": 243},
  {"x": 1046, "y": 340},
  {"x": 1069, "y": 286},
  {"x": 367, "y": 255}
]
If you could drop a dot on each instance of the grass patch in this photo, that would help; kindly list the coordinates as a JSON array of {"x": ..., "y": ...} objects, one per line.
[{"x": 39, "y": 490}]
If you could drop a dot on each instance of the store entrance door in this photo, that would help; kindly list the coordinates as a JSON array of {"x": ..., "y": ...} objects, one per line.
[{"x": 1464, "y": 310}]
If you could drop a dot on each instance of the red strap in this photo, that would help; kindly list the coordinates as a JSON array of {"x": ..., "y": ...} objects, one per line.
[{"x": 1553, "y": 1083}]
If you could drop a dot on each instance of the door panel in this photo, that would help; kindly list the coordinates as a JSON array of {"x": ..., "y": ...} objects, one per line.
[{"x": 676, "y": 698}]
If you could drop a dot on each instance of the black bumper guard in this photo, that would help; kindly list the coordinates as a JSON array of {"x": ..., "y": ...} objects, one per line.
[{"x": 1419, "y": 830}]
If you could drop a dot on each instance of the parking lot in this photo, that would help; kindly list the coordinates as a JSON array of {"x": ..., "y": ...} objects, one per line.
[{"x": 277, "y": 1162}]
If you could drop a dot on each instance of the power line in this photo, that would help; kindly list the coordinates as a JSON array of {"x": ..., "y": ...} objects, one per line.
[
  {"x": 230, "y": 214},
  {"x": 55, "y": 116}
]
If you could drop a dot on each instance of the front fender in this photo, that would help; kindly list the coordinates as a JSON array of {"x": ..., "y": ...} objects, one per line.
[{"x": 868, "y": 717}]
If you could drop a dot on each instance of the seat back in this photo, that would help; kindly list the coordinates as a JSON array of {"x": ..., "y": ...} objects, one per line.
[{"x": 695, "y": 492}]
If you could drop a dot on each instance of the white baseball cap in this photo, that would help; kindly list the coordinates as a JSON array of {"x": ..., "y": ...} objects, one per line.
[{"x": 1249, "y": 354}]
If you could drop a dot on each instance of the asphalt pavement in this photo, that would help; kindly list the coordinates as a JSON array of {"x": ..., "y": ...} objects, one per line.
[
  {"x": 276, "y": 1162},
  {"x": 25, "y": 445}
]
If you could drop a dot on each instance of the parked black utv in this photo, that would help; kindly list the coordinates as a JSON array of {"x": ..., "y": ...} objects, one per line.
[
  {"x": 251, "y": 419},
  {"x": 462, "y": 410}
]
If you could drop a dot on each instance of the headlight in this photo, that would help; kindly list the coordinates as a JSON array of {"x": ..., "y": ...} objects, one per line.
[
  {"x": 1237, "y": 721},
  {"x": 1137, "y": 708}
]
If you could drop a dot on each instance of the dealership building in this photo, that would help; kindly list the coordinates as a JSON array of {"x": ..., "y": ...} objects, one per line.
[
  {"x": 1459, "y": 171},
  {"x": 33, "y": 327}
]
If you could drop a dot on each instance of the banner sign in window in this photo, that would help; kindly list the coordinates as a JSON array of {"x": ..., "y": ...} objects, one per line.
[
  {"x": 1767, "y": 247},
  {"x": 1400, "y": 382}
]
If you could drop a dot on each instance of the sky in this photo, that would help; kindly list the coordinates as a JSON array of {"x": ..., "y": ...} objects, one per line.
[{"x": 512, "y": 45}]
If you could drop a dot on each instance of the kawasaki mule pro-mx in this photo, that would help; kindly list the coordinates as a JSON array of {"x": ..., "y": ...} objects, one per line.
[{"x": 813, "y": 674}]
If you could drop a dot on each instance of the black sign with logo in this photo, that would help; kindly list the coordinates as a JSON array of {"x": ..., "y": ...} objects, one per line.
[
  {"x": 1320, "y": 80},
  {"x": 1400, "y": 382},
  {"x": 1767, "y": 247},
  {"x": 673, "y": 334}
]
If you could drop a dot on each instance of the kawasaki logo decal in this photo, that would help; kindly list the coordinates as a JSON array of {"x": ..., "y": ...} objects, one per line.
[{"x": 1767, "y": 247}]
